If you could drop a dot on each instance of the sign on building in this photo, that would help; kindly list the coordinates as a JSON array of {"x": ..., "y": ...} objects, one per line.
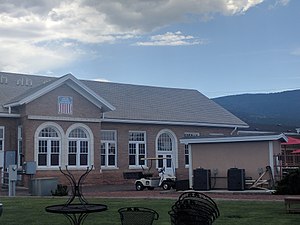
[{"x": 65, "y": 105}]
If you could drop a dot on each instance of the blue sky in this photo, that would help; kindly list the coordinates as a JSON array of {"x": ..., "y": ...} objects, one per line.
[{"x": 219, "y": 47}]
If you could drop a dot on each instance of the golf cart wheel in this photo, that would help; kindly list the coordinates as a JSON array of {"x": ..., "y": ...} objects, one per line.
[
  {"x": 139, "y": 186},
  {"x": 166, "y": 185}
]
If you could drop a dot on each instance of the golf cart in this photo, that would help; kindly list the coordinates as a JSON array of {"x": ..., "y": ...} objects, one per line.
[{"x": 164, "y": 180}]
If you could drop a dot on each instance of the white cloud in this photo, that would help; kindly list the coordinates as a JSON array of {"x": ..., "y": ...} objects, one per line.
[
  {"x": 28, "y": 26},
  {"x": 296, "y": 52},
  {"x": 283, "y": 2},
  {"x": 171, "y": 39},
  {"x": 25, "y": 57},
  {"x": 279, "y": 3}
]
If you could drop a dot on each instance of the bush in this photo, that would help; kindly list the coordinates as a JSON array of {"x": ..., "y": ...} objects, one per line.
[
  {"x": 290, "y": 184},
  {"x": 61, "y": 190}
]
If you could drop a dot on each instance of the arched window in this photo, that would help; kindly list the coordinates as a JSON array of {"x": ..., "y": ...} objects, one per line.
[
  {"x": 49, "y": 147},
  {"x": 166, "y": 149},
  {"x": 164, "y": 143},
  {"x": 78, "y": 147}
]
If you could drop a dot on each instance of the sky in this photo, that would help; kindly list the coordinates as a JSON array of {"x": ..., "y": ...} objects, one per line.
[{"x": 218, "y": 47}]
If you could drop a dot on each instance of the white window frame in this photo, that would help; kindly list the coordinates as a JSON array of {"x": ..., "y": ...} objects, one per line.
[
  {"x": 20, "y": 146},
  {"x": 107, "y": 143},
  {"x": 2, "y": 139},
  {"x": 137, "y": 144},
  {"x": 186, "y": 147},
  {"x": 174, "y": 142},
  {"x": 49, "y": 141},
  {"x": 88, "y": 139}
]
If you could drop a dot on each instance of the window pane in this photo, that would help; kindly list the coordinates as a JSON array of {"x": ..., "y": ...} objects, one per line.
[
  {"x": 54, "y": 146},
  {"x": 111, "y": 160},
  {"x": 72, "y": 147},
  {"x": 141, "y": 162},
  {"x": 42, "y": 146},
  {"x": 1, "y": 133},
  {"x": 83, "y": 147},
  {"x": 77, "y": 133},
  {"x": 108, "y": 135},
  {"x": 72, "y": 159},
  {"x": 169, "y": 161},
  {"x": 164, "y": 142},
  {"x": 102, "y": 160},
  {"x": 54, "y": 159},
  {"x": 83, "y": 159},
  {"x": 142, "y": 149},
  {"x": 111, "y": 149},
  {"x": 102, "y": 148},
  {"x": 48, "y": 132},
  {"x": 42, "y": 159},
  {"x": 186, "y": 154},
  {"x": 186, "y": 157},
  {"x": 136, "y": 136},
  {"x": 160, "y": 161},
  {"x": 1, "y": 145},
  {"x": 132, "y": 149},
  {"x": 131, "y": 160}
]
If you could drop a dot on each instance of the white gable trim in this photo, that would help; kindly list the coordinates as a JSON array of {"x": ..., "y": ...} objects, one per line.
[
  {"x": 75, "y": 84},
  {"x": 227, "y": 139}
]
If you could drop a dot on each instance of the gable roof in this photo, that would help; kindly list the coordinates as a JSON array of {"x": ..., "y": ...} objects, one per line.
[
  {"x": 136, "y": 103},
  {"x": 69, "y": 80}
]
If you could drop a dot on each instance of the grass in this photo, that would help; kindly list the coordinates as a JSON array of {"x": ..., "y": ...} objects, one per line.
[{"x": 31, "y": 211}]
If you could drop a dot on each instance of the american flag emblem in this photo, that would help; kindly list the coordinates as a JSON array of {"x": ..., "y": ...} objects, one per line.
[{"x": 65, "y": 105}]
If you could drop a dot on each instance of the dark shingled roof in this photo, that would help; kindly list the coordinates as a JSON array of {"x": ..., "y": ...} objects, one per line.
[{"x": 132, "y": 102}]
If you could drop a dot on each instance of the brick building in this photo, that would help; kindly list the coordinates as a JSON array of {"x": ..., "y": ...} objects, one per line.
[{"x": 65, "y": 121}]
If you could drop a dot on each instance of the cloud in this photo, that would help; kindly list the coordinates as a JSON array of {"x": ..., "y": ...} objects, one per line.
[
  {"x": 283, "y": 2},
  {"x": 171, "y": 39},
  {"x": 296, "y": 52},
  {"x": 30, "y": 28},
  {"x": 279, "y": 3},
  {"x": 24, "y": 57}
]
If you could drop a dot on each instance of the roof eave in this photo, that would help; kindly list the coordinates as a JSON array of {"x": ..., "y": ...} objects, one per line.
[
  {"x": 186, "y": 123},
  {"x": 229, "y": 139}
]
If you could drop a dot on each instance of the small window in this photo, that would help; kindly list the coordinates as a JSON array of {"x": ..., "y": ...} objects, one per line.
[
  {"x": 108, "y": 148},
  {"x": 136, "y": 148},
  {"x": 186, "y": 147}
]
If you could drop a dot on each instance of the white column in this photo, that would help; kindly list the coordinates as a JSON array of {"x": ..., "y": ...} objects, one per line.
[
  {"x": 271, "y": 156},
  {"x": 190, "y": 166}
]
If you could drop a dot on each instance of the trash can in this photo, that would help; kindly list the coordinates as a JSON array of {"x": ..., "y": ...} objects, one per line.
[
  {"x": 236, "y": 179},
  {"x": 43, "y": 186},
  {"x": 202, "y": 181}
]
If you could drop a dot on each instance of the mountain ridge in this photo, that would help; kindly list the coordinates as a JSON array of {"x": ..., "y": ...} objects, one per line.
[{"x": 268, "y": 111}]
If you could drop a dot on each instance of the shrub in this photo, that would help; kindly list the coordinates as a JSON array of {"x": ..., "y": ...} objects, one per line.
[
  {"x": 61, "y": 190},
  {"x": 290, "y": 184}
]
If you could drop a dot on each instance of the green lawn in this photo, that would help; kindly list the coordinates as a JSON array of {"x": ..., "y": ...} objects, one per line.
[{"x": 31, "y": 211}]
